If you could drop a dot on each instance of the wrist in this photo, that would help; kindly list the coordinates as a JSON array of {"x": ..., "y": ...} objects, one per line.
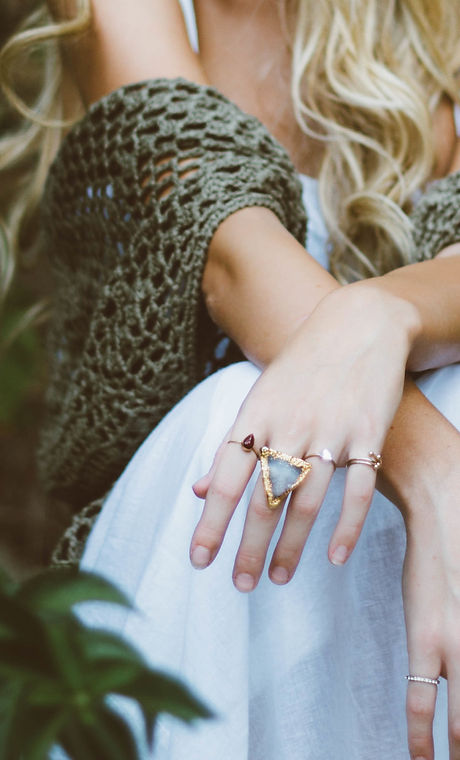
[
  {"x": 399, "y": 309},
  {"x": 420, "y": 456},
  {"x": 392, "y": 318}
]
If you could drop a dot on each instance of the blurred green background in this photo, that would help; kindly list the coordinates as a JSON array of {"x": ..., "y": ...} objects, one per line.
[{"x": 29, "y": 524}]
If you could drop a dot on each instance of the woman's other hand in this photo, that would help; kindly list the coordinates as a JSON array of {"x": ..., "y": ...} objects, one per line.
[{"x": 431, "y": 592}]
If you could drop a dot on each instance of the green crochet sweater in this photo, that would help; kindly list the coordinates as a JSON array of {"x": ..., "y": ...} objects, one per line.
[
  {"x": 132, "y": 201},
  {"x": 131, "y": 204}
]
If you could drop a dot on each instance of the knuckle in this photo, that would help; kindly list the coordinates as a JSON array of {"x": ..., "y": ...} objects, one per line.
[
  {"x": 305, "y": 508},
  {"x": 419, "y": 748},
  {"x": 262, "y": 511},
  {"x": 350, "y": 532},
  {"x": 224, "y": 492},
  {"x": 428, "y": 643},
  {"x": 287, "y": 556},
  {"x": 454, "y": 729},
  {"x": 418, "y": 708},
  {"x": 363, "y": 496},
  {"x": 249, "y": 560},
  {"x": 370, "y": 427},
  {"x": 208, "y": 536}
]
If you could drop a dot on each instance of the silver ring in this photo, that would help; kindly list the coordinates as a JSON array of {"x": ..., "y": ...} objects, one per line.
[
  {"x": 373, "y": 460},
  {"x": 422, "y": 679},
  {"x": 325, "y": 455}
]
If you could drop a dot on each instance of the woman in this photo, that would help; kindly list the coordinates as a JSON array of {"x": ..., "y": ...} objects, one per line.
[{"x": 333, "y": 391}]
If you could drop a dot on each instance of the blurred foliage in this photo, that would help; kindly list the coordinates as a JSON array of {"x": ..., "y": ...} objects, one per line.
[
  {"x": 29, "y": 524},
  {"x": 56, "y": 674},
  {"x": 22, "y": 363}
]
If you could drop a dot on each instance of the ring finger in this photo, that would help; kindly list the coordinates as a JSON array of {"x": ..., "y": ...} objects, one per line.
[{"x": 420, "y": 704}]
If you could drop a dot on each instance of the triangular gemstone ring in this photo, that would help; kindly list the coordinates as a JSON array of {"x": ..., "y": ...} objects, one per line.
[{"x": 281, "y": 473}]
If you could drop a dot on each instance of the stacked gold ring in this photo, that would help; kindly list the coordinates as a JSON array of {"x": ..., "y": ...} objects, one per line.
[{"x": 373, "y": 460}]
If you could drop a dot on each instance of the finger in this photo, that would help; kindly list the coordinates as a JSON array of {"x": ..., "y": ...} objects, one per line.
[
  {"x": 259, "y": 526},
  {"x": 453, "y": 694},
  {"x": 233, "y": 471},
  {"x": 301, "y": 513},
  {"x": 421, "y": 698},
  {"x": 357, "y": 498},
  {"x": 420, "y": 706},
  {"x": 200, "y": 488}
]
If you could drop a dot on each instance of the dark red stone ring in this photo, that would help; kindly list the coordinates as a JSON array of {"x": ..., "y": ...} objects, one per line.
[
  {"x": 247, "y": 444},
  {"x": 281, "y": 473}
]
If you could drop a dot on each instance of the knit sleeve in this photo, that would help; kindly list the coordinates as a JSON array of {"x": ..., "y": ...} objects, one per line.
[
  {"x": 131, "y": 204},
  {"x": 436, "y": 217}
]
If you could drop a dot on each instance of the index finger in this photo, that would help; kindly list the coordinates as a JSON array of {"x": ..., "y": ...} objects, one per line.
[{"x": 231, "y": 477}]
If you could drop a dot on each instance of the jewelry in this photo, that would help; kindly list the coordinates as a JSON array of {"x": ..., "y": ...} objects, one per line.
[
  {"x": 278, "y": 471},
  {"x": 281, "y": 473},
  {"x": 374, "y": 461},
  {"x": 325, "y": 455},
  {"x": 422, "y": 679},
  {"x": 247, "y": 444}
]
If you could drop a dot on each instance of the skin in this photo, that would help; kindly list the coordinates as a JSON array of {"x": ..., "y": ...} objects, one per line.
[{"x": 415, "y": 312}]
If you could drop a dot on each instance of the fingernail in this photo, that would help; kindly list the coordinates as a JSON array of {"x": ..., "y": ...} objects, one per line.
[
  {"x": 279, "y": 575},
  {"x": 200, "y": 557},
  {"x": 339, "y": 556},
  {"x": 244, "y": 582}
]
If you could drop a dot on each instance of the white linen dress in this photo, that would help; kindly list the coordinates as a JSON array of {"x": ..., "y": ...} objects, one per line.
[{"x": 313, "y": 670}]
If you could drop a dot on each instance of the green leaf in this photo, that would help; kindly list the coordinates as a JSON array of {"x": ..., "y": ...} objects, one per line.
[
  {"x": 10, "y": 693},
  {"x": 18, "y": 621},
  {"x": 18, "y": 659},
  {"x": 31, "y": 731},
  {"x": 56, "y": 591},
  {"x": 44, "y": 737},
  {"x": 106, "y": 737},
  {"x": 98, "y": 645},
  {"x": 157, "y": 693},
  {"x": 62, "y": 634},
  {"x": 110, "y": 676},
  {"x": 107, "y": 661},
  {"x": 7, "y": 586},
  {"x": 19, "y": 367},
  {"x": 47, "y": 692}
]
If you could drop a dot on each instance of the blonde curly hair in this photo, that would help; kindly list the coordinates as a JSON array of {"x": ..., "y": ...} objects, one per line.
[{"x": 367, "y": 77}]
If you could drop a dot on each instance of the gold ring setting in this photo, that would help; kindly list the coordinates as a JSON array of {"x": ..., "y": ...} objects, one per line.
[{"x": 281, "y": 472}]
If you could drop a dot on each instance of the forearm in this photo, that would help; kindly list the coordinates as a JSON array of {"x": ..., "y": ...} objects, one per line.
[
  {"x": 420, "y": 453},
  {"x": 432, "y": 290},
  {"x": 260, "y": 284}
]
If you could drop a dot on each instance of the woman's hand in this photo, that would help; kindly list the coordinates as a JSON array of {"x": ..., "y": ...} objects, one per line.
[
  {"x": 336, "y": 385},
  {"x": 431, "y": 591}
]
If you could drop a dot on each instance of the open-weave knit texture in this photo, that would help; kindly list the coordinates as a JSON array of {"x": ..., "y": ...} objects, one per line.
[
  {"x": 436, "y": 217},
  {"x": 132, "y": 201}
]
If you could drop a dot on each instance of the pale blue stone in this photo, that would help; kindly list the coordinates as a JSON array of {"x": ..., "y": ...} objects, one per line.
[{"x": 282, "y": 475}]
